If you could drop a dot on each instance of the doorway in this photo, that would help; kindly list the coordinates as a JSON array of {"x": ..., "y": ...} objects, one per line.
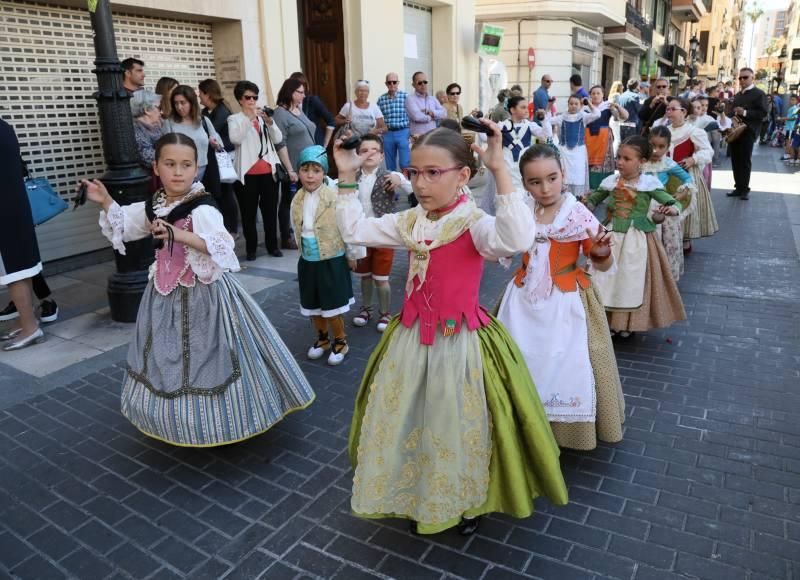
[{"x": 322, "y": 31}]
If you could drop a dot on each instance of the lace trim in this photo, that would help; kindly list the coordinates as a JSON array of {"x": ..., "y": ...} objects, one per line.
[
  {"x": 220, "y": 253},
  {"x": 112, "y": 225},
  {"x": 508, "y": 199}
]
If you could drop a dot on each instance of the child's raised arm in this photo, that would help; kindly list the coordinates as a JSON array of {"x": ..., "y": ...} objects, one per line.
[{"x": 492, "y": 158}]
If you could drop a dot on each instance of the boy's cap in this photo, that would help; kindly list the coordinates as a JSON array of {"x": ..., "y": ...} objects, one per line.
[{"x": 314, "y": 154}]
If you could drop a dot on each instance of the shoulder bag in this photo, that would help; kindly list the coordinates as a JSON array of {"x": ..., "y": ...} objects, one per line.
[
  {"x": 227, "y": 174},
  {"x": 737, "y": 130},
  {"x": 278, "y": 169},
  {"x": 45, "y": 202}
]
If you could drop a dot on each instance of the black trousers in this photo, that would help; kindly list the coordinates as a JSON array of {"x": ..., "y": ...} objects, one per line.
[
  {"x": 227, "y": 206},
  {"x": 258, "y": 192},
  {"x": 741, "y": 152},
  {"x": 40, "y": 287}
]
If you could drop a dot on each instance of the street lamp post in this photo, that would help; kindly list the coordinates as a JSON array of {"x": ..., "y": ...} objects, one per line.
[
  {"x": 693, "y": 45},
  {"x": 126, "y": 180}
]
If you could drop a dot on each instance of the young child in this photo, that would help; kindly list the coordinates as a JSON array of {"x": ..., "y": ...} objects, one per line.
[
  {"x": 323, "y": 269},
  {"x": 572, "y": 145},
  {"x": 641, "y": 294},
  {"x": 205, "y": 366},
  {"x": 791, "y": 135},
  {"x": 680, "y": 185},
  {"x": 555, "y": 315},
  {"x": 707, "y": 123},
  {"x": 447, "y": 423},
  {"x": 377, "y": 192},
  {"x": 691, "y": 149},
  {"x": 519, "y": 133}
]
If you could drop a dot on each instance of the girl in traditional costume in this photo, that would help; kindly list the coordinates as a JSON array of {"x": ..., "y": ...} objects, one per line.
[
  {"x": 519, "y": 133},
  {"x": 680, "y": 185},
  {"x": 557, "y": 318},
  {"x": 641, "y": 293},
  {"x": 447, "y": 425},
  {"x": 600, "y": 138},
  {"x": 572, "y": 144},
  {"x": 691, "y": 149},
  {"x": 205, "y": 366}
]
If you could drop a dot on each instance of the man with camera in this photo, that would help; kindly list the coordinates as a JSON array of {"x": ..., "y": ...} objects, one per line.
[
  {"x": 656, "y": 106},
  {"x": 749, "y": 105},
  {"x": 629, "y": 100}
]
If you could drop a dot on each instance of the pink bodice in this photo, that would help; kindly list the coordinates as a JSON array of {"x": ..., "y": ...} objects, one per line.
[
  {"x": 449, "y": 295},
  {"x": 172, "y": 268}
]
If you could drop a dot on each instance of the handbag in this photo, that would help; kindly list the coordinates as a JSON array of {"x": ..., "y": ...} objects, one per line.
[
  {"x": 227, "y": 174},
  {"x": 45, "y": 202},
  {"x": 277, "y": 168},
  {"x": 737, "y": 130}
]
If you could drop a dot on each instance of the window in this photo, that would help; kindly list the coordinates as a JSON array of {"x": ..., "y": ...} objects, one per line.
[
  {"x": 713, "y": 55},
  {"x": 703, "y": 49}
]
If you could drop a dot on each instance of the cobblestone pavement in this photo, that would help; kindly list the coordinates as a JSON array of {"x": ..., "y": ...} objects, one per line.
[{"x": 706, "y": 483}]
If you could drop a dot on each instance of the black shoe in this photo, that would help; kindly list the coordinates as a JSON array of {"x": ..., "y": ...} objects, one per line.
[
  {"x": 745, "y": 196},
  {"x": 412, "y": 527},
  {"x": 250, "y": 256},
  {"x": 734, "y": 193},
  {"x": 9, "y": 312},
  {"x": 289, "y": 244},
  {"x": 468, "y": 526},
  {"x": 276, "y": 253},
  {"x": 48, "y": 310}
]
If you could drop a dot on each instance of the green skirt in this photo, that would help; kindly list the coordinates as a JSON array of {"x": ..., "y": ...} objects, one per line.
[{"x": 524, "y": 462}]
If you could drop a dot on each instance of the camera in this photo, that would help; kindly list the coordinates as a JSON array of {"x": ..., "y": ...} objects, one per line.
[
  {"x": 478, "y": 114},
  {"x": 268, "y": 111},
  {"x": 585, "y": 101}
]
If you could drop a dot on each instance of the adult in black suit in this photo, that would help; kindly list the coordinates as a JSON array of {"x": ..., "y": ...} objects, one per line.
[
  {"x": 750, "y": 105},
  {"x": 654, "y": 107}
]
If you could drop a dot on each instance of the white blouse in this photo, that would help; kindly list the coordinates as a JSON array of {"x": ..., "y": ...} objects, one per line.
[
  {"x": 510, "y": 232},
  {"x": 129, "y": 223}
]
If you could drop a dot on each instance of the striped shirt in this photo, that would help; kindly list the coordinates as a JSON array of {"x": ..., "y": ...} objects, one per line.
[{"x": 394, "y": 110}]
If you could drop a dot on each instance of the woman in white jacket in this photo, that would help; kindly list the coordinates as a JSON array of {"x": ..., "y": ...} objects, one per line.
[{"x": 259, "y": 148}]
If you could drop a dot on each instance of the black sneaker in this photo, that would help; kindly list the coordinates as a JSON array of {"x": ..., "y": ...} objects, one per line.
[
  {"x": 49, "y": 310},
  {"x": 9, "y": 312}
]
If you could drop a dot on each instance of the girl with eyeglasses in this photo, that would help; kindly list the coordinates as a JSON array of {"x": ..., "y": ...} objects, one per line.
[
  {"x": 447, "y": 423},
  {"x": 691, "y": 149}
]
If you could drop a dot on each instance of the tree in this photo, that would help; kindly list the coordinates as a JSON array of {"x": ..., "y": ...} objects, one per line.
[
  {"x": 753, "y": 12},
  {"x": 761, "y": 74}
]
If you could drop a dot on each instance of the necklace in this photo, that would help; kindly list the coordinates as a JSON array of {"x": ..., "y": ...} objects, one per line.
[{"x": 436, "y": 214}]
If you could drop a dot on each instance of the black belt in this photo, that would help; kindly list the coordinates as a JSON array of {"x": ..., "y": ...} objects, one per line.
[{"x": 397, "y": 128}]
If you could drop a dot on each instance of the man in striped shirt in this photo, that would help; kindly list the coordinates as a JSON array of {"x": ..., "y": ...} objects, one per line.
[{"x": 395, "y": 141}]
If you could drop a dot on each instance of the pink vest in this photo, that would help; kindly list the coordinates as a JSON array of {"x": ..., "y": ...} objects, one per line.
[
  {"x": 174, "y": 269},
  {"x": 449, "y": 293}
]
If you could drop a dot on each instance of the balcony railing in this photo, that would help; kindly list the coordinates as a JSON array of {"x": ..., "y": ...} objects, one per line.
[{"x": 634, "y": 17}]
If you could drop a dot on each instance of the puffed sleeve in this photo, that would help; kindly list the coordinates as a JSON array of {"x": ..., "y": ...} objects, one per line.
[
  {"x": 356, "y": 229},
  {"x": 510, "y": 232},
  {"x": 208, "y": 225},
  {"x": 124, "y": 223},
  {"x": 703, "y": 152}
]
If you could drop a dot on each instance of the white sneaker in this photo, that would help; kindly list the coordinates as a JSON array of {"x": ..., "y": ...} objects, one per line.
[
  {"x": 318, "y": 349},
  {"x": 340, "y": 350}
]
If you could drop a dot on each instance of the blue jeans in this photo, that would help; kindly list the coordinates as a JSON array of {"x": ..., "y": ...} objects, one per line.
[{"x": 394, "y": 143}]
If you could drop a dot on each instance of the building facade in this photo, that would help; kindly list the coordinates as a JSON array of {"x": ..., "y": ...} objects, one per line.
[{"x": 47, "y": 58}]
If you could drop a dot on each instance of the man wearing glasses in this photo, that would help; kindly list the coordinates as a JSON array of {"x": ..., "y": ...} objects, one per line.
[
  {"x": 749, "y": 105},
  {"x": 423, "y": 110},
  {"x": 395, "y": 141},
  {"x": 541, "y": 96},
  {"x": 654, "y": 107}
]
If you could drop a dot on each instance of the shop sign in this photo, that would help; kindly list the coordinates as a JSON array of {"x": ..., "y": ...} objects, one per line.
[
  {"x": 491, "y": 37},
  {"x": 586, "y": 40}
]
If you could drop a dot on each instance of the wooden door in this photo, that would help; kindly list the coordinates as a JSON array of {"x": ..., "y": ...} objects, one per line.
[{"x": 322, "y": 32}]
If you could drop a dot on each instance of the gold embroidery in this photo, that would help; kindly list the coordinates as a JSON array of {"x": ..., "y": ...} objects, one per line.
[{"x": 413, "y": 439}]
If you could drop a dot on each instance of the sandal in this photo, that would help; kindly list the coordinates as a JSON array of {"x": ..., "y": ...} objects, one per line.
[
  {"x": 363, "y": 317},
  {"x": 383, "y": 321},
  {"x": 322, "y": 344},
  {"x": 339, "y": 351}
]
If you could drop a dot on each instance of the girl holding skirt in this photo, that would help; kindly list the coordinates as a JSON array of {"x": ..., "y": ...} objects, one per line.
[
  {"x": 557, "y": 318},
  {"x": 641, "y": 294},
  {"x": 680, "y": 185},
  {"x": 205, "y": 366},
  {"x": 447, "y": 424},
  {"x": 691, "y": 149}
]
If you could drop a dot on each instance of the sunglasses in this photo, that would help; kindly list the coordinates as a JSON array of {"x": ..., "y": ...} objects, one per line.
[
  {"x": 662, "y": 86},
  {"x": 422, "y": 82},
  {"x": 453, "y": 94},
  {"x": 250, "y": 97},
  {"x": 392, "y": 82},
  {"x": 675, "y": 109},
  {"x": 744, "y": 78}
]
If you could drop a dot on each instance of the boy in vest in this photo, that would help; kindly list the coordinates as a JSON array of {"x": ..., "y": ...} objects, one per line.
[
  {"x": 377, "y": 191},
  {"x": 326, "y": 290}
]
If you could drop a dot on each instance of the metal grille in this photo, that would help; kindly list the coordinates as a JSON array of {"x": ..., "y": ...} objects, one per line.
[{"x": 46, "y": 63}]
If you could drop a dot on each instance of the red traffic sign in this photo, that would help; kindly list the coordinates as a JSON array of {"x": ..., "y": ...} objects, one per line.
[{"x": 531, "y": 58}]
